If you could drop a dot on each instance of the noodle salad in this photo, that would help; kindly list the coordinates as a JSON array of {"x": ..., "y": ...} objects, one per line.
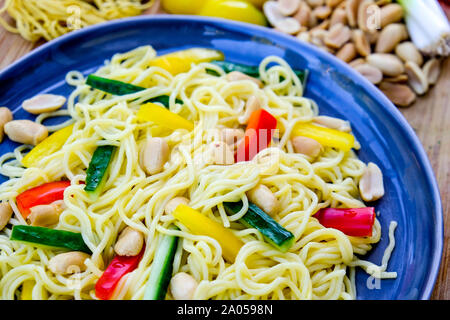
[{"x": 185, "y": 176}]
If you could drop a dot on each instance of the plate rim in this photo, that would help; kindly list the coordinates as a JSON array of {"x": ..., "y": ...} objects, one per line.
[{"x": 370, "y": 89}]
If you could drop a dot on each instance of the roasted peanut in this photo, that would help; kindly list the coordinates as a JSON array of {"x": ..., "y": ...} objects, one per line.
[
  {"x": 389, "y": 64},
  {"x": 288, "y": 7},
  {"x": 239, "y": 76},
  {"x": 368, "y": 12},
  {"x": 222, "y": 153},
  {"x": 272, "y": 12},
  {"x": 288, "y": 26},
  {"x": 306, "y": 146},
  {"x": 322, "y": 12},
  {"x": 401, "y": 95},
  {"x": 401, "y": 78},
  {"x": 407, "y": 51},
  {"x": 318, "y": 36},
  {"x": 313, "y": 22},
  {"x": 382, "y": 2},
  {"x": 304, "y": 36},
  {"x": 264, "y": 198},
  {"x": 390, "y": 36},
  {"x": 416, "y": 78},
  {"x": 251, "y": 106},
  {"x": 347, "y": 53},
  {"x": 153, "y": 155},
  {"x": 338, "y": 16},
  {"x": 183, "y": 286},
  {"x": 333, "y": 123},
  {"x": 45, "y": 215},
  {"x": 324, "y": 25},
  {"x": 337, "y": 36},
  {"x": 5, "y": 214},
  {"x": 5, "y": 117},
  {"x": 361, "y": 44},
  {"x": 333, "y": 3},
  {"x": 371, "y": 184},
  {"x": 129, "y": 243},
  {"x": 174, "y": 203},
  {"x": 432, "y": 70},
  {"x": 303, "y": 15},
  {"x": 372, "y": 36},
  {"x": 231, "y": 136},
  {"x": 390, "y": 13},
  {"x": 352, "y": 11},
  {"x": 68, "y": 262},
  {"x": 356, "y": 62},
  {"x": 315, "y": 3},
  {"x": 369, "y": 72},
  {"x": 26, "y": 131},
  {"x": 342, "y": 5},
  {"x": 43, "y": 103}
]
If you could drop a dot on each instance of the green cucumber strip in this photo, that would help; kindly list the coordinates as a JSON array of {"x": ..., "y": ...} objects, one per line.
[
  {"x": 120, "y": 88},
  {"x": 50, "y": 238},
  {"x": 96, "y": 173},
  {"x": 272, "y": 231},
  {"x": 231, "y": 66},
  {"x": 162, "y": 268},
  {"x": 252, "y": 71},
  {"x": 115, "y": 87}
]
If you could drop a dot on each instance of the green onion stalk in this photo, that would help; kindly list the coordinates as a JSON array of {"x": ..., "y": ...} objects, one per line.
[{"x": 428, "y": 26}]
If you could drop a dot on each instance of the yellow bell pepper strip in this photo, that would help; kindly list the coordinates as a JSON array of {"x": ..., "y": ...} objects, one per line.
[
  {"x": 202, "y": 225},
  {"x": 49, "y": 145},
  {"x": 27, "y": 290},
  {"x": 182, "y": 6},
  {"x": 180, "y": 61},
  {"x": 234, "y": 10},
  {"x": 325, "y": 136},
  {"x": 163, "y": 117}
]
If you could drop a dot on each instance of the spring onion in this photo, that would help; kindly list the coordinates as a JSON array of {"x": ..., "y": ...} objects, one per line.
[{"x": 428, "y": 26}]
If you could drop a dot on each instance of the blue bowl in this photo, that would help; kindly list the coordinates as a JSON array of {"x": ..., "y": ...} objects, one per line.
[{"x": 412, "y": 196}]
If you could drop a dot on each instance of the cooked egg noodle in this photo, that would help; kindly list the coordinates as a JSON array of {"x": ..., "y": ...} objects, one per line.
[
  {"x": 49, "y": 19},
  {"x": 319, "y": 265}
]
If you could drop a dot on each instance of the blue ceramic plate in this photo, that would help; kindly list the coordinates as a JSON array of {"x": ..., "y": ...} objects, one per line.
[{"x": 412, "y": 197}]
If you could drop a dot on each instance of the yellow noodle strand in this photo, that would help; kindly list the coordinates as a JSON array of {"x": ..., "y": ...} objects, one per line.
[
  {"x": 320, "y": 264},
  {"x": 49, "y": 19}
]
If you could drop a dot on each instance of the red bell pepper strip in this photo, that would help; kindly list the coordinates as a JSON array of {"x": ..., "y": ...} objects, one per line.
[
  {"x": 258, "y": 135},
  {"x": 43, "y": 194},
  {"x": 356, "y": 222},
  {"x": 119, "y": 266}
]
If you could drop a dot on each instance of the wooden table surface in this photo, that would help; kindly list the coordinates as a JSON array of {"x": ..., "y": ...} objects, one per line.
[{"x": 429, "y": 116}]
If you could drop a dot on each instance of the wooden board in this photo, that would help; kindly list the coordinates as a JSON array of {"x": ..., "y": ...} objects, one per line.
[{"x": 429, "y": 116}]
